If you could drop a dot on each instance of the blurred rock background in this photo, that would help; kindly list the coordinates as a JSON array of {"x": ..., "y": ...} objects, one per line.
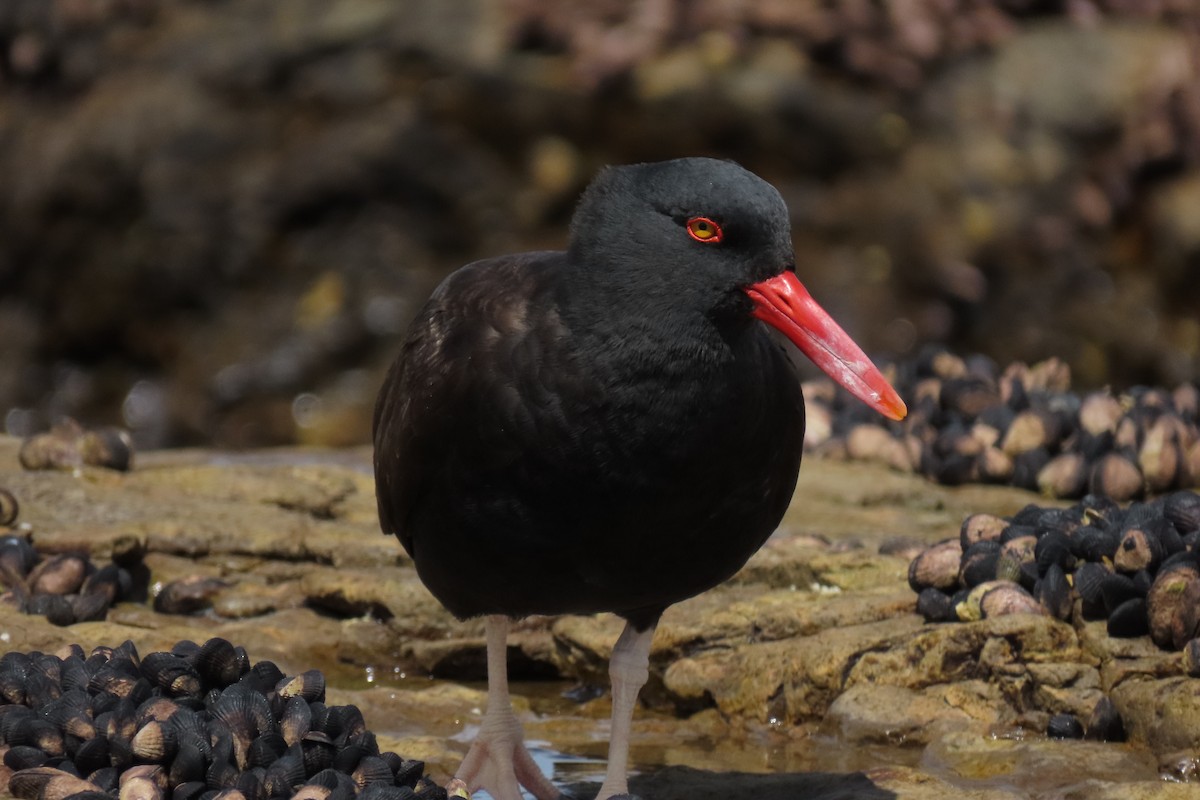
[{"x": 217, "y": 216}]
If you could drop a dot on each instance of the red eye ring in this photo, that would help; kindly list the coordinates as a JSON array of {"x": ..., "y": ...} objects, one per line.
[{"x": 704, "y": 230}]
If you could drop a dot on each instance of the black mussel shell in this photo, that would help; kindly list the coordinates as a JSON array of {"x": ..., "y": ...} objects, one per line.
[
  {"x": 1129, "y": 619},
  {"x": 1054, "y": 593},
  {"x": 310, "y": 685},
  {"x": 1064, "y": 726},
  {"x": 383, "y": 791},
  {"x": 980, "y": 526},
  {"x": 220, "y": 663},
  {"x": 979, "y": 563},
  {"x": 1105, "y": 724},
  {"x": 1183, "y": 511},
  {"x": 935, "y": 606},
  {"x": 24, "y": 756},
  {"x": 937, "y": 566},
  {"x": 1054, "y": 549},
  {"x": 1116, "y": 589}
]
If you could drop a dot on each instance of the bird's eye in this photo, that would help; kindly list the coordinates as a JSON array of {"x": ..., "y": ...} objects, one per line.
[{"x": 703, "y": 229}]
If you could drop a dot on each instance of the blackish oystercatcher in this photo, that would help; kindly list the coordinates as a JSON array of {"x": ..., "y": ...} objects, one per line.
[{"x": 610, "y": 428}]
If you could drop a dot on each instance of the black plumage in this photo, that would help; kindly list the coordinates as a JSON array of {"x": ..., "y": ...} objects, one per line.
[{"x": 609, "y": 428}]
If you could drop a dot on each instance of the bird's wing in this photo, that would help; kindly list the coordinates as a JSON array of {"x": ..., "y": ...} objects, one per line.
[{"x": 468, "y": 390}]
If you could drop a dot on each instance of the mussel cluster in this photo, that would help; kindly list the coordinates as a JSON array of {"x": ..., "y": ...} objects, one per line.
[
  {"x": 64, "y": 587},
  {"x": 1138, "y": 567},
  {"x": 196, "y": 723},
  {"x": 970, "y": 422}
]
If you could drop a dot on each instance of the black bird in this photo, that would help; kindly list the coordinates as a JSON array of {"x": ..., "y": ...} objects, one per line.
[{"x": 610, "y": 428}]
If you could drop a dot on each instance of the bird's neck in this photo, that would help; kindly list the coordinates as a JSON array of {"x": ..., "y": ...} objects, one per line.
[{"x": 597, "y": 304}]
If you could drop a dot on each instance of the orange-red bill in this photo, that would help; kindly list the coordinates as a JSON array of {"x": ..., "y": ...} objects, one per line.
[{"x": 783, "y": 303}]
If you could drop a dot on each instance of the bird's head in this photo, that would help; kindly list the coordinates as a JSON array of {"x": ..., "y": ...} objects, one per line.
[{"x": 710, "y": 235}]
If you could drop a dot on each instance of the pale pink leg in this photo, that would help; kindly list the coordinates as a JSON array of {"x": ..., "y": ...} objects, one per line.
[
  {"x": 628, "y": 671},
  {"x": 498, "y": 760}
]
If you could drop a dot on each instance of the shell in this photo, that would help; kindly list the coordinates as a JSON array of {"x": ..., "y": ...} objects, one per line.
[
  {"x": 190, "y": 790},
  {"x": 1089, "y": 543},
  {"x": 371, "y": 769},
  {"x": 154, "y": 741},
  {"x": 1183, "y": 511},
  {"x": 188, "y": 595},
  {"x": 1186, "y": 623},
  {"x": 318, "y": 751},
  {"x": 46, "y": 736},
  {"x": 1186, "y": 400},
  {"x": 266, "y": 749},
  {"x": 1014, "y": 554},
  {"x": 1129, "y": 619},
  {"x": 88, "y": 607},
  {"x": 47, "y": 783},
  {"x": 249, "y": 786},
  {"x": 139, "y": 788},
  {"x": 1064, "y": 475},
  {"x": 1099, "y": 413},
  {"x": 1165, "y": 602},
  {"x": 1105, "y": 723},
  {"x": 107, "y": 581},
  {"x": 1031, "y": 429},
  {"x": 24, "y": 756},
  {"x": 955, "y": 468},
  {"x": 995, "y": 466},
  {"x": 219, "y": 663},
  {"x": 80, "y": 726},
  {"x": 1116, "y": 476},
  {"x": 1087, "y": 582},
  {"x": 263, "y": 676},
  {"x": 870, "y": 442},
  {"x": 1117, "y": 589},
  {"x": 978, "y": 527},
  {"x": 1026, "y": 467},
  {"x": 382, "y": 791},
  {"x": 344, "y": 723},
  {"x": 174, "y": 674},
  {"x": 979, "y": 563},
  {"x": 1054, "y": 593},
  {"x": 1160, "y": 457},
  {"x": 17, "y": 555},
  {"x": 61, "y": 574},
  {"x": 310, "y": 685},
  {"x": 1140, "y": 548},
  {"x": 408, "y": 772},
  {"x": 111, "y": 448},
  {"x": 1191, "y": 658},
  {"x": 296, "y": 720},
  {"x": 1017, "y": 531},
  {"x": 107, "y": 778},
  {"x": 1099, "y": 510},
  {"x": 93, "y": 754},
  {"x": 1064, "y": 726},
  {"x": 1005, "y": 598},
  {"x": 1054, "y": 549},
  {"x": 9, "y": 507},
  {"x": 286, "y": 773},
  {"x": 937, "y": 567}
]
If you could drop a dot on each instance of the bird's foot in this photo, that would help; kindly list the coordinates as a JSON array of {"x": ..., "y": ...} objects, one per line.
[{"x": 501, "y": 767}]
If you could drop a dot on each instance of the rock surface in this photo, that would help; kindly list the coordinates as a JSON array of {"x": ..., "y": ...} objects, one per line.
[{"x": 810, "y": 660}]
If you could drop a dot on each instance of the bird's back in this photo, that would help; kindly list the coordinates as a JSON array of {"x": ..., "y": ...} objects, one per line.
[{"x": 531, "y": 464}]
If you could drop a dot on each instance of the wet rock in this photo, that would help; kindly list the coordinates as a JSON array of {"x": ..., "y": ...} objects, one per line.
[{"x": 866, "y": 714}]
